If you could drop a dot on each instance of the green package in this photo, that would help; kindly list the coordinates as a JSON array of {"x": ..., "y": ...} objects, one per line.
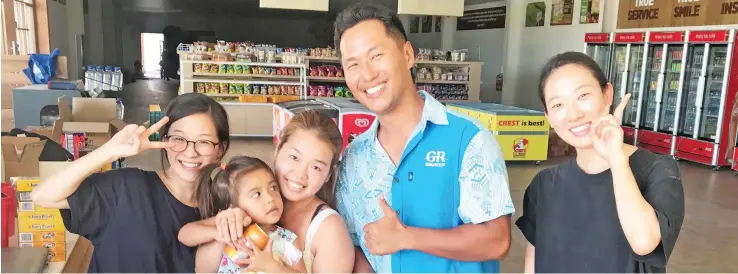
[
  {"x": 223, "y": 68},
  {"x": 239, "y": 88},
  {"x": 238, "y": 69},
  {"x": 230, "y": 69}
]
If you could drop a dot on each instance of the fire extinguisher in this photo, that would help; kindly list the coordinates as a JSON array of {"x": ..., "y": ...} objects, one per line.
[{"x": 498, "y": 86}]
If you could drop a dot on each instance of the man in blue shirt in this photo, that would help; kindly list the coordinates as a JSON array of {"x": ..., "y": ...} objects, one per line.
[{"x": 424, "y": 189}]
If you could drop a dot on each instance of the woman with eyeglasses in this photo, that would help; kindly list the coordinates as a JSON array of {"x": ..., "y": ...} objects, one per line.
[{"x": 132, "y": 216}]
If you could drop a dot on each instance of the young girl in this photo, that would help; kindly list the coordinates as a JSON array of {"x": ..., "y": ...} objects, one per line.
[
  {"x": 248, "y": 184},
  {"x": 305, "y": 168},
  {"x": 613, "y": 207}
]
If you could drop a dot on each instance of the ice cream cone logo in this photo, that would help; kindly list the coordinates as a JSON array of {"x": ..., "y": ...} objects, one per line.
[{"x": 361, "y": 122}]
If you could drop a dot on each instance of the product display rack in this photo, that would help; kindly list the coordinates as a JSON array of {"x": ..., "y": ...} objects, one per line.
[{"x": 251, "y": 114}]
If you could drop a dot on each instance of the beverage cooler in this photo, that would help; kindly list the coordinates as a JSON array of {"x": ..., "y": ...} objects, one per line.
[
  {"x": 599, "y": 47},
  {"x": 627, "y": 77},
  {"x": 664, "y": 75},
  {"x": 708, "y": 99}
]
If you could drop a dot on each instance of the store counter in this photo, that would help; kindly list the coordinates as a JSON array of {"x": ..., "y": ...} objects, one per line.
[{"x": 521, "y": 133}]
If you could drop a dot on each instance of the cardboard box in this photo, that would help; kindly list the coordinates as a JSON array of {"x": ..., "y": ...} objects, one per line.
[
  {"x": 20, "y": 156},
  {"x": 42, "y": 236},
  {"x": 95, "y": 117}
]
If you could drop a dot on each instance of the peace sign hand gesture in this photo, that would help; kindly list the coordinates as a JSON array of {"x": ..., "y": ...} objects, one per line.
[
  {"x": 134, "y": 139},
  {"x": 608, "y": 135}
]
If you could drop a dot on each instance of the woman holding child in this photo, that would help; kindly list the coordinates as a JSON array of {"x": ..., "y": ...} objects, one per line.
[
  {"x": 306, "y": 160},
  {"x": 133, "y": 217}
]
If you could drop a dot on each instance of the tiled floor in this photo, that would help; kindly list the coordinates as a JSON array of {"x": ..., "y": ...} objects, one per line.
[{"x": 709, "y": 236}]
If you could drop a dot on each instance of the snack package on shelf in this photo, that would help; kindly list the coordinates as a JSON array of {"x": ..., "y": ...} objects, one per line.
[{"x": 38, "y": 226}]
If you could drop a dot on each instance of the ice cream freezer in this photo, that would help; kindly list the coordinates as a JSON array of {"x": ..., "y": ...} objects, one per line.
[
  {"x": 351, "y": 117},
  {"x": 521, "y": 133}
]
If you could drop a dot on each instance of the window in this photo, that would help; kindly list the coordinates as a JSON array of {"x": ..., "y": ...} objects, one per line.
[{"x": 19, "y": 32}]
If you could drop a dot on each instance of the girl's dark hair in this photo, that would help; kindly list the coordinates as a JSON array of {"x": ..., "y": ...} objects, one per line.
[
  {"x": 327, "y": 130},
  {"x": 193, "y": 103},
  {"x": 567, "y": 58},
  {"x": 216, "y": 189}
]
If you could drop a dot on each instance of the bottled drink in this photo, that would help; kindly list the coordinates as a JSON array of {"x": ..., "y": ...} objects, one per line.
[
  {"x": 89, "y": 78},
  {"x": 107, "y": 78},
  {"x": 119, "y": 108},
  {"x": 117, "y": 79},
  {"x": 99, "y": 77}
]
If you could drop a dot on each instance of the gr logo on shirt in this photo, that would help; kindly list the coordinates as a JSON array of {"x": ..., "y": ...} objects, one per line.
[{"x": 435, "y": 159}]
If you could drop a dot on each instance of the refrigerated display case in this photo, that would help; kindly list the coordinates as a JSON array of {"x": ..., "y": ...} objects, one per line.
[
  {"x": 353, "y": 117},
  {"x": 707, "y": 106},
  {"x": 599, "y": 47},
  {"x": 659, "y": 109},
  {"x": 283, "y": 112},
  {"x": 627, "y": 77}
]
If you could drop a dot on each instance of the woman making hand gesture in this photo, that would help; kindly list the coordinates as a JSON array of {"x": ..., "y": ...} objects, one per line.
[
  {"x": 613, "y": 207},
  {"x": 132, "y": 216}
]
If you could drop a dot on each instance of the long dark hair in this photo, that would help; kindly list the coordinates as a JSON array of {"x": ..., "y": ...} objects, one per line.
[
  {"x": 193, "y": 103},
  {"x": 568, "y": 58},
  {"x": 216, "y": 188},
  {"x": 327, "y": 131}
]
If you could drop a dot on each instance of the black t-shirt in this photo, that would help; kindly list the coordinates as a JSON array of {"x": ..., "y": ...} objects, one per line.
[
  {"x": 132, "y": 220},
  {"x": 571, "y": 217}
]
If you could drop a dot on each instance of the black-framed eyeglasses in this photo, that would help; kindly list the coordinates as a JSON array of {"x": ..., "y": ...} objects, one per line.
[{"x": 179, "y": 144}]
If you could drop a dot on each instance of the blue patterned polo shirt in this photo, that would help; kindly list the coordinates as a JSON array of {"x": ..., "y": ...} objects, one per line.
[{"x": 451, "y": 172}]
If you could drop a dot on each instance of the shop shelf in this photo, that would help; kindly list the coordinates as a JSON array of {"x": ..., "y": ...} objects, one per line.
[
  {"x": 227, "y": 81},
  {"x": 326, "y": 79}
]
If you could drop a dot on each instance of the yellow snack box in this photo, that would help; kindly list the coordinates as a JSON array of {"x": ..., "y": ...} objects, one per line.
[
  {"x": 42, "y": 236},
  {"x": 25, "y": 184},
  {"x": 31, "y": 207},
  {"x": 48, "y": 217},
  {"x": 39, "y": 227},
  {"x": 51, "y": 246}
]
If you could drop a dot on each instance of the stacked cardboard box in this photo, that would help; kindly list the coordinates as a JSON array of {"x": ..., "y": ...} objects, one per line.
[{"x": 38, "y": 226}]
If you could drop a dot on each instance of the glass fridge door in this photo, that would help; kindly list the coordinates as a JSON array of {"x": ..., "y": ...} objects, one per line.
[
  {"x": 635, "y": 76},
  {"x": 603, "y": 58},
  {"x": 670, "y": 88},
  {"x": 616, "y": 76},
  {"x": 650, "y": 101},
  {"x": 696, "y": 55},
  {"x": 713, "y": 90}
]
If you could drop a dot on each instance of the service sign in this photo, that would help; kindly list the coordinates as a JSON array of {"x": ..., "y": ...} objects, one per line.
[{"x": 676, "y": 13}]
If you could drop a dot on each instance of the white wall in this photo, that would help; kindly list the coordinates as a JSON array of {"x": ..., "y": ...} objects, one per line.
[
  {"x": 528, "y": 48},
  {"x": 66, "y": 21}
]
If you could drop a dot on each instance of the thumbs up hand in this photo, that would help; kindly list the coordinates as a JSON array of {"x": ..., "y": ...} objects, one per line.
[{"x": 386, "y": 235}]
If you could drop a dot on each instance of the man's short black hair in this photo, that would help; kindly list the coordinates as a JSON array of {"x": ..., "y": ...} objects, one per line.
[{"x": 360, "y": 12}]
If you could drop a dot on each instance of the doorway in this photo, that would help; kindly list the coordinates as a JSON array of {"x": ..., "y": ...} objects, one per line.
[{"x": 152, "y": 45}]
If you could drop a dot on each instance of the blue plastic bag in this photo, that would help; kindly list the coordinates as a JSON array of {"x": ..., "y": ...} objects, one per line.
[{"x": 41, "y": 67}]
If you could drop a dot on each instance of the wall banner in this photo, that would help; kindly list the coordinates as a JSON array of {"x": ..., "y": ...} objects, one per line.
[{"x": 676, "y": 13}]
